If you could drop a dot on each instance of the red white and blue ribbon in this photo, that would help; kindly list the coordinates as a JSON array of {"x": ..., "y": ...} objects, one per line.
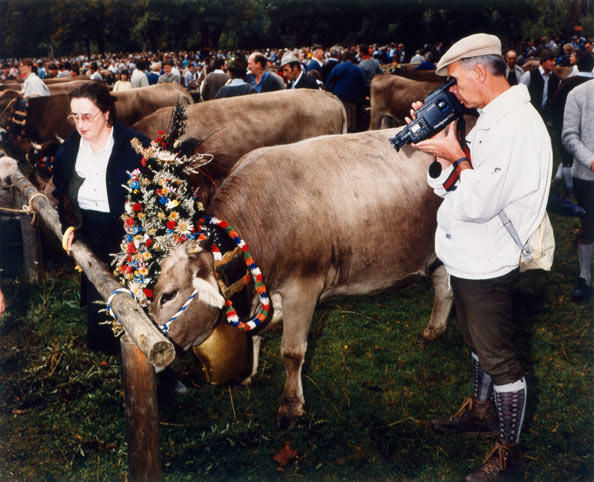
[
  {"x": 256, "y": 274},
  {"x": 264, "y": 299}
]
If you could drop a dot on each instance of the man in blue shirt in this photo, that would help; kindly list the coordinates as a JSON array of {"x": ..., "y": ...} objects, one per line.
[
  {"x": 347, "y": 82},
  {"x": 262, "y": 79}
]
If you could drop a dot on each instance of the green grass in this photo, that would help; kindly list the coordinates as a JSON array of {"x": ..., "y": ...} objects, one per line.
[{"x": 371, "y": 389}]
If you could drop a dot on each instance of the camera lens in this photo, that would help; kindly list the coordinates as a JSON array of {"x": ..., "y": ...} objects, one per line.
[{"x": 397, "y": 141}]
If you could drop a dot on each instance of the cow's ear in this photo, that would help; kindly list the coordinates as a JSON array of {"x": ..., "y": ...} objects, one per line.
[{"x": 197, "y": 246}]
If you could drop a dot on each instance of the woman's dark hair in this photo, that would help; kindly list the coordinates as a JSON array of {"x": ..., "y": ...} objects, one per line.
[{"x": 99, "y": 95}]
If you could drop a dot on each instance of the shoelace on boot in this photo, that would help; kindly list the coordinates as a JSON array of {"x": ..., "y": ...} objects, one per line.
[
  {"x": 466, "y": 406},
  {"x": 498, "y": 463}
]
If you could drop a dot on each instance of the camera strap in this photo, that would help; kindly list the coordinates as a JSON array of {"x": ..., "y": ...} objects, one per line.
[{"x": 450, "y": 182}]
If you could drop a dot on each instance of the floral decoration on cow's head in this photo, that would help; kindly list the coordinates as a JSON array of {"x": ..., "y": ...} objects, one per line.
[{"x": 160, "y": 209}]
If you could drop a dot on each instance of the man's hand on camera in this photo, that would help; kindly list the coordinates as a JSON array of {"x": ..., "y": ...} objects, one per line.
[{"x": 444, "y": 146}]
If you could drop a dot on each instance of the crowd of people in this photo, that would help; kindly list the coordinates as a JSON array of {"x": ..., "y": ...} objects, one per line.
[
  {"x": 204, "y": 72},
  {"x": 344, "y": 71}
]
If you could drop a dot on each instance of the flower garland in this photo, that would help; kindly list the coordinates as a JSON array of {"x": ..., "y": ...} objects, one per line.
[
  {"x": 264, "y": 308},
  {"x": 159, "y": 212}
]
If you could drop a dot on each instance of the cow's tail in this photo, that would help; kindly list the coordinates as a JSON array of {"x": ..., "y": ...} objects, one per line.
[{"x": 344, "y": 118}]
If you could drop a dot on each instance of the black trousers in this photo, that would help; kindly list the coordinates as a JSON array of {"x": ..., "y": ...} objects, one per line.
[
  {"x": 584, "y": 194},
  {"x": 102, "y": 233},
  {"x": 484, "y": 312}
]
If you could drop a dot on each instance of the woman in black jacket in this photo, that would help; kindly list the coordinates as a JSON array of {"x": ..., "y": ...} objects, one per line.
[{"x": 91, "y": 167}]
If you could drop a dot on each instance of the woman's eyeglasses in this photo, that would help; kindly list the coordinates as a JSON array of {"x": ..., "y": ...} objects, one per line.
[{"x": 84, "y": 118}]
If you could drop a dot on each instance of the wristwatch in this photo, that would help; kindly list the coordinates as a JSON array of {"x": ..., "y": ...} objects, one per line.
[{"x": 457, "y": 162}]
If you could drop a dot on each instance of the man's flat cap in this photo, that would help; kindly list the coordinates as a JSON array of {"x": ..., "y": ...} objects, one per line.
[
  {"x": 471, "y": 46},
  {"x": 287, "y": 58}
]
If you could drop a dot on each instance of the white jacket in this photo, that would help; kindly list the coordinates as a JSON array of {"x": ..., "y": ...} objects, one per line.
[{"x": 512, "y": 161}]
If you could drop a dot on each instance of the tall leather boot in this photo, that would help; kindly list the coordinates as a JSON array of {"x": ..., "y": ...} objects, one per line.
[
  {"x": 505, "y": 458},
  {"x": 503, "y": 462},
  {"x": 477, "y": 414}
]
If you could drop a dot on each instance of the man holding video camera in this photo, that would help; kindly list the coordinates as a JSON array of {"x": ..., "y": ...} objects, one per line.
[{"x": 504, "y": 163}]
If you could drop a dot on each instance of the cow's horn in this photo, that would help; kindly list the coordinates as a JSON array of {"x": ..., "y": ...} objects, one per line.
[
  {"x": 193, "y": 247},
  {"x": 36, "y": 146},
  {"x": 42, "y": 146}
]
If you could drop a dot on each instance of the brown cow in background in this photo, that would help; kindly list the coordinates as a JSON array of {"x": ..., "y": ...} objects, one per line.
[
  {"x": 47, "y": 123},
  {"x": 233, "y": 126},
  {"x": 392, "y": 96}
]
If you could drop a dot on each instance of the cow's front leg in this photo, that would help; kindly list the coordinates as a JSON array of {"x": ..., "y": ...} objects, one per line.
[
  {"x": 256, "y": 345},
  {"x": 298, "y": 309},
  {"x": 277, "y": 315},
  {"x": 442, "y": 305}
]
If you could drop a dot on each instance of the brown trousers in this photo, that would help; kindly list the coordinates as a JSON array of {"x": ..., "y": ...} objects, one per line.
[{"x": 484, "y": 312}]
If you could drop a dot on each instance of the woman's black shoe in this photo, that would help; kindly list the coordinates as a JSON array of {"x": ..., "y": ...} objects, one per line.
[{"x": 582, "y": 292}]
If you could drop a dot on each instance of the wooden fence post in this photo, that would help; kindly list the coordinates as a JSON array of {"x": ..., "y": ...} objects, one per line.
[
  {"x": 142, "y": 414},
  {"x": 32, "y": 256}
]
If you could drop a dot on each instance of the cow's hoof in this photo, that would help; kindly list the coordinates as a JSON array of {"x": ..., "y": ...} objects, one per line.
[
  {"x": 429, "y": 336},
  {"x": 287, "y": 419},
  {"x": 246, "y": 382},
  {"x": 284, "y": 423}
]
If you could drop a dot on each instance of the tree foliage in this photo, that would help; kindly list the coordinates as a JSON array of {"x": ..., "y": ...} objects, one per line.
[{"x": 37, "y": 27}]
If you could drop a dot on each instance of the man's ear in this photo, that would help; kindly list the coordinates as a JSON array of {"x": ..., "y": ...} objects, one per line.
[{"x": 481, "y": 72}]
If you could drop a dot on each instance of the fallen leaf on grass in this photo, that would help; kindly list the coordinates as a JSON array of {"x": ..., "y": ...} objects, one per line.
[
  {"x": 18, "y": 411},
  {"x": 285, "y": 455}
]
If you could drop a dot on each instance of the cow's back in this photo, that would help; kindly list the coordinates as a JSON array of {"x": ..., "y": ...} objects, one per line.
[
  {"x": 234, "y": 126},
  {"x": 336, "y": 205},
  {"x": 66, "y": 87},
  {"x": 135, "y": 104}
]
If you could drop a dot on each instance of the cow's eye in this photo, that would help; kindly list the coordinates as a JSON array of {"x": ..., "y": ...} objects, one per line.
[{"x": 166, "y": 297}]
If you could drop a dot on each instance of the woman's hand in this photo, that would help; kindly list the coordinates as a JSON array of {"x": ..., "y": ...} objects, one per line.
[{"x": 67, "y": 239}]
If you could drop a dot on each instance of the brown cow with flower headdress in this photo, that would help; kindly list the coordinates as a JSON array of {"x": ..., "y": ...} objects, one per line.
[{"x": 333, "y": 215}]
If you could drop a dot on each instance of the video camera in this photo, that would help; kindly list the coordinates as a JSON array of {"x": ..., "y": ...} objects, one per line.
[{"x": 440, "y": 108}]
